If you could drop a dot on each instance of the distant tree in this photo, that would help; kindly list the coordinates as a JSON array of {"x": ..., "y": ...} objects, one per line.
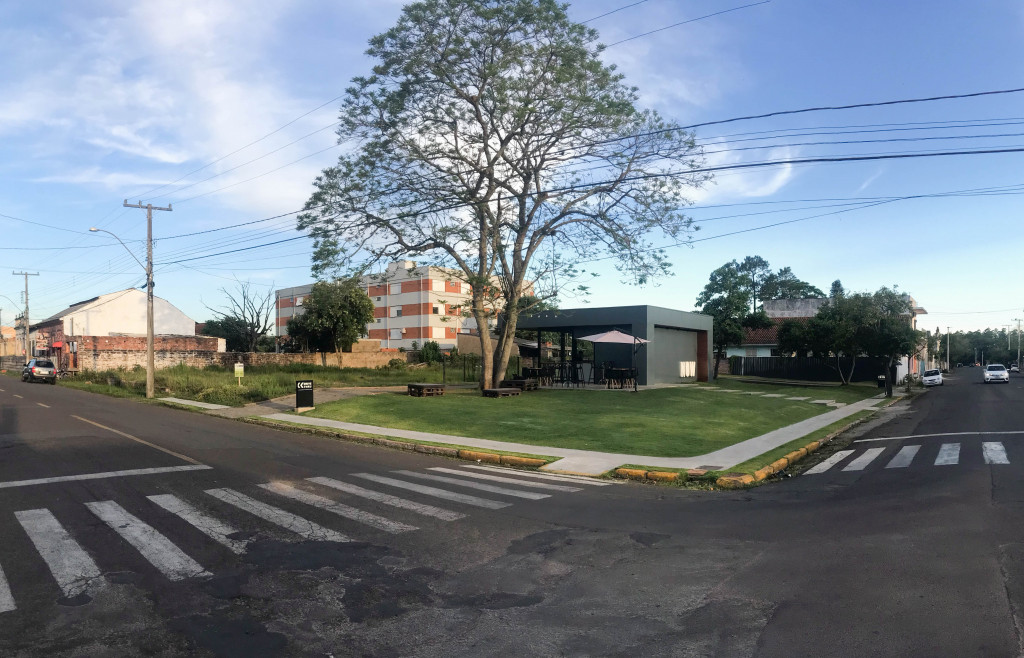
[
  {"x": 836, "y": 290},
  {"x": 335, "y": 316},
  {"x": 725, "y": 298},
  {"x": 430, "y": 352},
  {"x": 784, "y": 285},
  {"x": 231, "y": 329},
  {"x": 891, "y": 335},
  {"x": 756, "y": 271},
  {"x": 247, "y": 317},
  {"x": 487, "y": 133}
]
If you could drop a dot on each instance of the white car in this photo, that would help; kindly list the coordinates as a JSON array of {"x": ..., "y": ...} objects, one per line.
[
  {"x": 996, "y": 372},
  {"x": 1014, "y": 368},
  {"x": 932, "y": 378}
]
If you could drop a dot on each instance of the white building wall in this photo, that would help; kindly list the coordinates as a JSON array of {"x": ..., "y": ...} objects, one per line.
[{"x": 125, "y": 313}]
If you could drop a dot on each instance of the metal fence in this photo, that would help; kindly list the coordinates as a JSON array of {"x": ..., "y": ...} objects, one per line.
[
  {"x": 468, "y": 368},
  {"x": 806, "y": 368}
]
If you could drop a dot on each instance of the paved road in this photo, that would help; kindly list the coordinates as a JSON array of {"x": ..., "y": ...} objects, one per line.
[{"x": 195, "y": 535}]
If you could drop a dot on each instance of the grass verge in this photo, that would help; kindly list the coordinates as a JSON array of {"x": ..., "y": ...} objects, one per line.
[{"x": 664, "y": 422}]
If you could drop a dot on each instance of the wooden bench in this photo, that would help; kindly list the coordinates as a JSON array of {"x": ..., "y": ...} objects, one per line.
[
  {"x": 501, "y": 392},
  {"x": 426, "y": 390},
  {"x": 522, "y": 384}
]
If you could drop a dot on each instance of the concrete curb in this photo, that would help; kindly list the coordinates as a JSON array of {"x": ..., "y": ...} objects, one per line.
[
  {"x": 455, "y": 453},
  {"x": 658, "y": 476},
  {"x": 738, "y": 481}
]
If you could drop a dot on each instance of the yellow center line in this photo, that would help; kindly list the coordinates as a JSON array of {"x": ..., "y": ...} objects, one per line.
[{"x": 137, "y": 439}]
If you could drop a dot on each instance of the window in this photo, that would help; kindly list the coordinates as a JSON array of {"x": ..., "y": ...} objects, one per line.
[
  {"x": 396, "y": 311},
  {"x": 436, "y": 309},
  {"x": 396, "y": 288},
  {"x": 396, "y": 334},
  {"x": 376, "y": 299},
  {"x": 298, "y": 301}
]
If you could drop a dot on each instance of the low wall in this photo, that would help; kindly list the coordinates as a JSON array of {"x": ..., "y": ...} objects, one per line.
[{"x": 335, "y": 359}]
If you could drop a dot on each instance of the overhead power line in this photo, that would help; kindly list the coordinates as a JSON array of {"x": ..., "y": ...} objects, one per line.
[{"x": 692, "y": 20}]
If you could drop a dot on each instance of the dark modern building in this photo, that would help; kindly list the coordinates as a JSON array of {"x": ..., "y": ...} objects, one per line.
[{"x": 679, "y": 350}]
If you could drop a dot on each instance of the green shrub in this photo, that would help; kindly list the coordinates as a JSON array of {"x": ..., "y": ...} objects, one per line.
[{"x": 431, "y": 352}]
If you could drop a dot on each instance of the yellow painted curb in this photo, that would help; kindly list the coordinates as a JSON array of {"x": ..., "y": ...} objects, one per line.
[
  {"x": 812, "y": 446},
  {"x": 509, "y": 460},
  {"x": 632, "y": 473},
  {"x": 762, "y": 473},
  {"x": 488, "y": 457},
  {"x": 662, "y": 476},
  {"x": 734, "y": 481},
  {"x": 779, "y": 464}
]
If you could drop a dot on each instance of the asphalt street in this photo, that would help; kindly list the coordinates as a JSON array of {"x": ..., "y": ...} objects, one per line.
[{"x": 133, "y": 529}]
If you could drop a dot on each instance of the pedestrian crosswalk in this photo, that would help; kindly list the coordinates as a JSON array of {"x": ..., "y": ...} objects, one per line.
[
  {"x": 948, "y": 454},
  {"x": 73, "y": 559}
]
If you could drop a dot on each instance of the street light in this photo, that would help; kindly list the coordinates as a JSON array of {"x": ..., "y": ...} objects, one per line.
[{"x": 150, "y": 366}]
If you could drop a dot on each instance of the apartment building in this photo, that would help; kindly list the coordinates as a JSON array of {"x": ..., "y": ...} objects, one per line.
[{"x": 411, "y": 304}]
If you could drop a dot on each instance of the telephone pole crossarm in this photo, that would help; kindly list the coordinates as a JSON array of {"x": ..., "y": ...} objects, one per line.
[{"x": 25, "y": 318}]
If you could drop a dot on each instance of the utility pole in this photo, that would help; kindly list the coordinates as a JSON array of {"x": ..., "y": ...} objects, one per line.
[
  {"x": 1018, "y": 321},
  {"x": 947, "y": 350},
  {"x": 25, "y": 319},
  {"x": 150, "y": 365}
]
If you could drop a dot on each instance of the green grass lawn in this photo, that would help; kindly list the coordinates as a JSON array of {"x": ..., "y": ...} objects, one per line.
[
  {"x": 667, "y": 422},
  {"x": 219, "y": 386}
]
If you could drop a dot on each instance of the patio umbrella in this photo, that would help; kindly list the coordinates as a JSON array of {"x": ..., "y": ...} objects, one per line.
[{"x": 616, "y": 336}]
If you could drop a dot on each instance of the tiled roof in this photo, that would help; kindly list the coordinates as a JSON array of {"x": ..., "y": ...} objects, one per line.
[{"x": 768, "y": 335}]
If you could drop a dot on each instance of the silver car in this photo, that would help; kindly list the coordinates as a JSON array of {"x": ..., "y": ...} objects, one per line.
[
  {"x": 932, "y": 378},
  {"x": 39, "y": 370},
  {"x": 996, "y": 372}
]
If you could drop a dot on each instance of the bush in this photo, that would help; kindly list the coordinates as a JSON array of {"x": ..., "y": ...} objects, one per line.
[{"x": 431, "y": 352}]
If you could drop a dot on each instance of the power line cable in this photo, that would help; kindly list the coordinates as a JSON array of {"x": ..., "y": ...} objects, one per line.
[{"x": 692, "y": 20}]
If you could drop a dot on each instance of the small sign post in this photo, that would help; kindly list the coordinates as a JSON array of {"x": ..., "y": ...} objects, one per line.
[
  {"x": 239, "y": 372},
  {"x": 304, "y": 395}
]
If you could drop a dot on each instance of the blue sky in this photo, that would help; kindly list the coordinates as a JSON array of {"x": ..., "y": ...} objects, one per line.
[{"x": 162, "y": 101}]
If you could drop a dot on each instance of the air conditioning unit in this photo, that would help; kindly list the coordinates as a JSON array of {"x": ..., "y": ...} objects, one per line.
[{"x": 405, "y": 331}]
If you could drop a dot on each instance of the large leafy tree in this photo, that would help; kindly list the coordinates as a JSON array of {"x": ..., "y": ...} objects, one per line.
[
  {"x": 785, "y": 285},
  {"x": 488, "y": 129},
  {"x": 335, "y": 316},
  {"x": 726, "y": 298}
]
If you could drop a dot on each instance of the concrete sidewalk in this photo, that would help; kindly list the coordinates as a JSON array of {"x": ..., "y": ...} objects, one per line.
[{"x": 586, "y": 462}]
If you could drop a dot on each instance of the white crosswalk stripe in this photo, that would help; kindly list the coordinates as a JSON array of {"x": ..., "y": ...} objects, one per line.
[
  {"x": 576, "y": 479},
  {"x": 863, "y": 460},
  {"x": 277, "y": 516},
  {"x": 829, "y": 463},
  {"x": 157, "y": 549},
  {"x": 6, "y": 600},
  {"x": 994, "y": 453},
  {"x": 288, "y": 491},
  {"x": 215, "y": 529},
  {"x": 388, "y": 499},
  {"x": 498, "y": 478},
  {"x": 72, "y": 568},
  {"x": 530, "y": 495},
  {"x": 949, "y": 454},
  {"x": 903, "y": 457},
  {"x": 435, "y": 492}
]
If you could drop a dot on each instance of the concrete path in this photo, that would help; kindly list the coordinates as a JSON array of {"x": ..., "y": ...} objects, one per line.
[
  {"x": 287, "y": 402},
  {"x": 586, "y": 462}
]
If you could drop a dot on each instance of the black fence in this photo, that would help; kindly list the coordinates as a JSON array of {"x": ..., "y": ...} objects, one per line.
[
  {"x": 810, "y": 369},
  {"x": 467, "y": 367}
]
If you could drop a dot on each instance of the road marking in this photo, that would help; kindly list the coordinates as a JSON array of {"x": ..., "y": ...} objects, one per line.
[
  {"x": 102, "y": 476},
  {"x": 994, "y": 452},
  {"x": 277, "y": 516},
  {"x": 436, "y": 493},
  {"x": 498, "y": 478},
  {"x": 546, "y": 476},
  {"x": 137, "y": 439},
  {"x": 903, "y": 457},
  {"x": 70, "y": 565},
  {"x": 213, "y": 528},
  {"x": 529, "y": 495},
  {"x": 949, "y": 454},
  {"x": 379, "y": 522},
  {"x": 388, "y": 499},
  {"x": 43, "y": 405},
  {"x": 158, "y": 550},
  {"x": 829, "y": 463},
  {"x": 6, "y": 599},
  {"x": 18, "y": 396},
  {"x": 925, "y": 436},
  {"x": 861, "y": 462}
]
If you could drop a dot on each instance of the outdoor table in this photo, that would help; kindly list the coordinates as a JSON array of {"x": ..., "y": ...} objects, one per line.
[{"x": 618, "y": 376}]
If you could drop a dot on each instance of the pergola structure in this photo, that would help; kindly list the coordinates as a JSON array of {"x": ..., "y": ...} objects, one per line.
[{"x": 679, "y": 347}]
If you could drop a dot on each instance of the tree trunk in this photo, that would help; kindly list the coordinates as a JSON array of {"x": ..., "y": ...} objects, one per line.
[
  {"x": 718, "y": 359},
  {"x": 853, "y": 364},
  {"x": 486, "y": 344},
  {"x": 506, "y": 340},
  {"x": 888, "y": 378}
]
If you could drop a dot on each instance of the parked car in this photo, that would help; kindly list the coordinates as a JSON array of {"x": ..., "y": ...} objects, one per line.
[
  {"x": 39, "y": 370},
  {"x": 996, "y": 372},
  {"x": 1014, "y": 368},
  {"x": 932, "y": 378}
]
